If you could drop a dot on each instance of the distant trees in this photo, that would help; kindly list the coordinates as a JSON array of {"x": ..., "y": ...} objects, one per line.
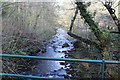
[
  {"x": 25, "y": 25},
  {"x": 31, "y": 21}
]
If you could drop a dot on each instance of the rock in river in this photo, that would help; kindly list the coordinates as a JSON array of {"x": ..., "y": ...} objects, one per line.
[{"x": 65, "y": 45}]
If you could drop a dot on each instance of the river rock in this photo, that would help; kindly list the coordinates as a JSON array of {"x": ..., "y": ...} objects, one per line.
[
  {"x": 65, "y": 45},
  {"x": 53, "y": 41},
  {"x": 55, "y": 70},
  {"x": 62, "y": 57},
  {"x": 64, "y": 51},
  {"x": 62, "y": 63},
  {"x": 54, "y": 46}
]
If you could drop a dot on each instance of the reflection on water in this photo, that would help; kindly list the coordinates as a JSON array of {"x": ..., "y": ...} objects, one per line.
[{"x": 53, "y": 49}]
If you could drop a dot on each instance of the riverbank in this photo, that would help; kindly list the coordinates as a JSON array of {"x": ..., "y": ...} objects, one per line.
[
  {"x": 57, "y": 46},
  {"x": 89, "y": 70},
  {"x": 21, "y": 46}
]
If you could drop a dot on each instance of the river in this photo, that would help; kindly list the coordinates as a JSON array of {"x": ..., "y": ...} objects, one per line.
[{"x": 54, "y": 69}]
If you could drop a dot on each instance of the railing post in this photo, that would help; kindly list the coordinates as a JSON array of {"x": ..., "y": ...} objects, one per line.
[{"x": 103, "y": 69}]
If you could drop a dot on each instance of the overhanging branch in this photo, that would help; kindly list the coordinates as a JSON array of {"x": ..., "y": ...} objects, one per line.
[{"x": 87, "y": 41}]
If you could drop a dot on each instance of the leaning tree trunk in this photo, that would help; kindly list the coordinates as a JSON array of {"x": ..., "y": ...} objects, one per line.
[{"x": 103, "y": 41}]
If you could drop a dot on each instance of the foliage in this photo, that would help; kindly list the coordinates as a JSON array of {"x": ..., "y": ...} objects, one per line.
[
  {"x": 28, "y": 23},
  {"x": 102, "y": 37},
  {"x": 25, "y": 25}
]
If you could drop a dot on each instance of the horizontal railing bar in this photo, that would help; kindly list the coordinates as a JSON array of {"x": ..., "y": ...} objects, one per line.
[
  {"x": 29, "y": 76},
  {"x": 60, "y": 59}
]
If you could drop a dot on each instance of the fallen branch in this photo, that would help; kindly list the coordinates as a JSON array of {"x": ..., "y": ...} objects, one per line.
[
  {"x": 115, "y": 32},
  {"x": 87, "y": 41}
]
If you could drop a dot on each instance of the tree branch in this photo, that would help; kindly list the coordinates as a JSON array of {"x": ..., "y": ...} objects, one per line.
[
  {"x": 115, "y": 32},
  {"x": 4, "y": 4},
  {"x": 72, "y": 21},
  {"x": 112, "y": 13},
  {"x": 87, "y": 41}
]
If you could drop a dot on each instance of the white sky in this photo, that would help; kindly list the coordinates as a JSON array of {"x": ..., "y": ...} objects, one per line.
[{"x": 51, "y": 0}]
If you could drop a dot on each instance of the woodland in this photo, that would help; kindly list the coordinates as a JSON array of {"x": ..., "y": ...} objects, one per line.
[{"x": 27, "y": 28}]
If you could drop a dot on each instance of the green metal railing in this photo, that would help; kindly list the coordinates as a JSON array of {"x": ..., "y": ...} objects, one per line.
[{"x": 102, "y": 62}]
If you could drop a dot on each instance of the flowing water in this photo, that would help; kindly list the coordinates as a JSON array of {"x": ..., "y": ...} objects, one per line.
[{"x": 54, "y": 69}]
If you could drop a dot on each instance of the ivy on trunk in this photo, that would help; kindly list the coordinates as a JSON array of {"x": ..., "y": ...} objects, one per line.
[{"x": 103, "y": 41}]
